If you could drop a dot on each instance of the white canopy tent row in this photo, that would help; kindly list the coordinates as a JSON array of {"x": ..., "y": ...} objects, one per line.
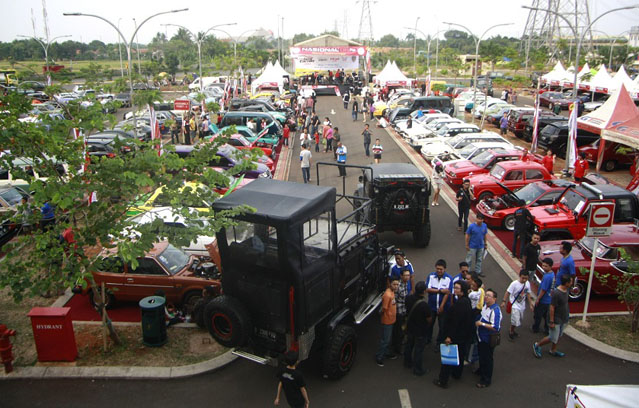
[
  {"x": 392, "y": 76},
  {"x": 272, "y": 77},
  {"x": 601, "y": 396}
]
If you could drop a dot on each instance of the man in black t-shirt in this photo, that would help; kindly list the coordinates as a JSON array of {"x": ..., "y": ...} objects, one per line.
[
  {"x": 419, "y": 319},
  {"x": 530, "y": 254},
  {"x": 292, "y": 381},
  {"x": 523, "y": 221},
  {"x": 464, "y": 198}
]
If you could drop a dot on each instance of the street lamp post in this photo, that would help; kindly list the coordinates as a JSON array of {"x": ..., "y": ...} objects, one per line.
[
  {"x": 137, "y": 47},
  {"x": 235, "y": 41},
  {"x": 45, "y": 47},
  {"x": 198, "y": 40},
  {"x": 415, "y": 49},
  {"x": 120, "y": 51},
  {"x": 128, "y": 44},
  {"x": 477, "y": 42},
  {"x": 579, "y": 40},
  {"x": 429, "y": 39}
]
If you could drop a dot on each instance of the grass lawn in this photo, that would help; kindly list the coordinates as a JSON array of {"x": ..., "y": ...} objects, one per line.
[{"x": 612, "y": 330}]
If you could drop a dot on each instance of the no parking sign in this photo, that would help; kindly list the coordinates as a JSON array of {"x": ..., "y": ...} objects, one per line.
[{"x": 602, "y": 215}]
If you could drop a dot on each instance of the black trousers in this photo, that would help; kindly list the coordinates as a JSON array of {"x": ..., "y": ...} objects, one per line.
[
  {"x": 485, "y": 363},
  {"x": 440, "y": 319},
  {"x": 522, "y": 236},
  {"x": 398, "y": 334},
  {"x": 446, "y": 370},
  {"x": 541, "y": 312},
  {"x": 463, "y": 215}
]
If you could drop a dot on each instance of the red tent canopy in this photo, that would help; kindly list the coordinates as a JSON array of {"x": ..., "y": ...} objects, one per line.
[
  {"x": 622, "y": 130},
  {"x": 618, "y": 108}
]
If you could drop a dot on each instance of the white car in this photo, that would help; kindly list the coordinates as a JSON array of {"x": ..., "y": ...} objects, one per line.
[
  {"x": 454, "y": 128},
  {"x": 446, "y": 145},
  {"x": 473, "y": 149},
  {"x": 437, "y": 124},
  {"x": 401, "y": 124},
  {"x": 199, "y": 247},
  {"x": 487, "y": 104}
]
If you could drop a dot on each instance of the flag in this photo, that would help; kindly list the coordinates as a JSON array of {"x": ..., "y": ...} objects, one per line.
[
  {"x": 535, "y": 134},
  {"x": 155, "y": 129},
  {"x": 368, "y": 60},
  {"x": 427, "y": 84},
  {"x": 235, "y": 88},
  {"x": 571, "y": 154}
]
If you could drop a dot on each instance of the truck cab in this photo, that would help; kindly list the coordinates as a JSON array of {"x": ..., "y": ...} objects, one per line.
[{"x": 295, "y": 275}]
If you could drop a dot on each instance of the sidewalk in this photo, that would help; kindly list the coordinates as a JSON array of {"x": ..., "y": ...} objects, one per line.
[{"x": 500, "y": 253}]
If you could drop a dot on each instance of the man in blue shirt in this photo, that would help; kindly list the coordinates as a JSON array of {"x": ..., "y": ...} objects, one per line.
[
  {"x": 462, "y": 275},
  {"x": 488, "y": 323},
  {"x": 567, "y": 264},
  {"x": 438, "y": 287},
  {"x": 341, "y": 152},
  {"x": 475, "y": 243},
  {"x": 401, "y": 264},
  {"x": 543, "y": 295}
]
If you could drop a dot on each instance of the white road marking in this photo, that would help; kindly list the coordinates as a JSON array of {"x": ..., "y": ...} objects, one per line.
[{"x": 404, "y": 398}]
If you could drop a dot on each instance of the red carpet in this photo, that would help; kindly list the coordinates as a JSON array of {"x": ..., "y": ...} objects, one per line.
[{"x": 81, "y": 310}]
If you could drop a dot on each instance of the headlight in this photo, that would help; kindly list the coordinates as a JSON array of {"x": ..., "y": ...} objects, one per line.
[
  {"x": 266, "y": 174},
  {"x": 453, "y": 174},
  {"x": 490, "y": 211},
  {"x": 536, "y": 228}
]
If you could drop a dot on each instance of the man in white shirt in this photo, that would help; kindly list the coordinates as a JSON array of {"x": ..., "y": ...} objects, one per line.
[
  {"x": 305, "y": 160},
  {"x": 517, "y": 293}
]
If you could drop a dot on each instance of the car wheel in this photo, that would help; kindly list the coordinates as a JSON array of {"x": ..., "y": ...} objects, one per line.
[
  {"x": 340, "y": 352},
  {"x": 421, "y": 236},
  {"x": 578, "y": 291},
  {"x": 610, "y": 165},
  {"x": 190, "y": 300},
  {"x": 485, "y": 195},
  {"x": 228, "y": 321},
  {"x": 110, "y": 299},
  {"x": 509, "y": 222}
]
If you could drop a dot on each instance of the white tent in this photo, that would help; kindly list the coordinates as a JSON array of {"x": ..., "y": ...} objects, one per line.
[
  {"x": 622, "y": 78},
  {"x": 600, "y": 396},
  {"x": 584, "y": 70},
  {"x": 384, "y": 73},
  {"x": 269, "y": 78},
  {"x": 395, "y": 76},
  {"x": 602, "y": 81},
  {"x": 555, "y": 76},
  {"x": 279, "y": 70}
]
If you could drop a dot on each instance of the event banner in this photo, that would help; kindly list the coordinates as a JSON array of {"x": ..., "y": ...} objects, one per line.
[{"x": 305, "y": 64}]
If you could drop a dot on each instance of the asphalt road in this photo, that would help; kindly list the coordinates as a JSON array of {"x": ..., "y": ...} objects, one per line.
[{"x": 519, "y": 378}]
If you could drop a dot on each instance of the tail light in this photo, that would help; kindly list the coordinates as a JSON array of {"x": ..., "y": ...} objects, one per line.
[{"x": 110, "y": 155}]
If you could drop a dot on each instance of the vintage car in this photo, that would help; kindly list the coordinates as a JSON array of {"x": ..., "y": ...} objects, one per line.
[
  {"x": 550, "y": 99},
  {"x": 156, "y": 199},
  {"x": 500, "y": 212},
  {"x": 229, "y": 157},
  {"x": 512, "y": 174},
  {"x": 456, "y": 172},
  {"x": 165, "y": 267},
  {"x": 568, "y": 216},
  {"x": 614, "y": 154},
  {"x": 440, "y": 146},
  {"x": 608, "y": 260},
  {"x": 241, "y": 143},
  {"x": 263, "y": 139}
]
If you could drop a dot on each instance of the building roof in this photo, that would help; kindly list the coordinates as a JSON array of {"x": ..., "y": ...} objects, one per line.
[{"x": 326, "y": 40}]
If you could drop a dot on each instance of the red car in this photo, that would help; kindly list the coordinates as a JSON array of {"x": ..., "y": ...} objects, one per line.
[
  {"x": 568, "y": 217},
  {"x": 500, "y": 212},
  {"x": 512, "y": 174},
  {"x": 624, "y": 236},
  {"x": 457, "y": 171},
  {"x": 241, "y": 143},
  {"x": 614, "y": 154}
]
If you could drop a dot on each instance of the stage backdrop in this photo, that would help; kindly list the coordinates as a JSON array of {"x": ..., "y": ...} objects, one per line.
[{"x": 322, "y": 59}]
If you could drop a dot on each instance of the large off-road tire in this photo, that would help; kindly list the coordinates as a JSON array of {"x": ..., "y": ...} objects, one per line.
[
  {"x": 110, "y": 299},
  {"x": 421, "y": 236},
  {"x": 197, "y": 314},
  {"x": 339, "y": 352},
  {"x": 190, "y": 300},
  {"x": 401, "y": 196},
  {"x": 228, "y": 321}
]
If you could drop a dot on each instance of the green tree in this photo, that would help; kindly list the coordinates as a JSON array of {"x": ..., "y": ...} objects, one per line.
[{"x": 389, "y": 40}]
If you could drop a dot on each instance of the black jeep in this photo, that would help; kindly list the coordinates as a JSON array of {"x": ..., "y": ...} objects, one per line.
[
  {"x": 399, "y": 192},
  {"x": 295, "y": 276}
]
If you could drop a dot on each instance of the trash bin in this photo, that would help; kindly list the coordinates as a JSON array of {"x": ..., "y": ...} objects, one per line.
[{"x": 153, "y": 322}]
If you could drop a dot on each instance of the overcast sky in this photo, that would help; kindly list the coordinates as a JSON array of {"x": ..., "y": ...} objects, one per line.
[{"x": 388, "y": 16}]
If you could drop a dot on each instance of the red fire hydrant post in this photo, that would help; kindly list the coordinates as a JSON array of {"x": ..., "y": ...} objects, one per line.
[{"x": 5, "y": 348}]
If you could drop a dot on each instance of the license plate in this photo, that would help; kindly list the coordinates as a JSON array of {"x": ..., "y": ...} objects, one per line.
[{"x": 401, "y": 207}]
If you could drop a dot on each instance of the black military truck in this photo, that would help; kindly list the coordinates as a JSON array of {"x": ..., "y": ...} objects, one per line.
[
  {"x": 399, "y": 194},
  {"x": 295, "y": 276}
]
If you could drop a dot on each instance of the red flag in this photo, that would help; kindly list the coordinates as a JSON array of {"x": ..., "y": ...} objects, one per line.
[{"x": 533, "y": 146}]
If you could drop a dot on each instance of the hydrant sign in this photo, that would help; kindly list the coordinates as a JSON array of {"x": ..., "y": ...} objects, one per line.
[
  {"x": 181, "y": 104},
  {"x": 602, "y": 214}
]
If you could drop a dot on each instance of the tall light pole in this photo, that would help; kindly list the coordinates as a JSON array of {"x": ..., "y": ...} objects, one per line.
[
  {"x": 120, "y": 51},
  {"x": 198, "y": 41},
  {"x": 128, "y": 44},
  {"x": 45, "y": 46},
  {"x": 429, "y": 39},
  {"x": 415, "y": 49},
  {"x": 235, "y": 41},
  {"x": 477, "y": 41},
  {"x": 137, "y": 47},
  {"x": 580, "y": 39}
]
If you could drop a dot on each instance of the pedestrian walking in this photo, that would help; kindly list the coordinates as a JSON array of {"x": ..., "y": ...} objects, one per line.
[
  {"x": 515, "y": 302},
  {"x": 329, "y": 138},
  {"x": 316, "y": 137},
  {"x": 530, "y": 255},
  {"x": 192, "y": 130},
  {"x": 523, "y": 222},
  {"x": 367, "y": 140},
  {"x": 305, "y": 162},
  {"x": 458, "y": 329},
  {"x": 559, "y": 315},
  {"x": 388, "y": 316},
  {"x": 292, "y": 382},
  {"x": 437, "y": 179},
  {"x": 336, "y": 139},
  {"x": 315, "y": 121},
  {"x": 397, "y": 269},
  {"x": 438, "y": 287},
  {"x": 371, "y": 109},
  {"x": 403, "y": 291},
  {"x": 174, "y": 133},
  {"x": 464, "y": 197},
  {"x": 488, "y": 324},
  {"x": 542, "y": 304},
  {"x": 341, "y": 158},
  {"x": 567, "y": 264},
  {"x": 581, "y": 167},
  {"x": 355, "y": 109},
  {"x": 549, "y": 161},
  {"x": 346, "y": 98},
  {"x": 377, "y": 151},
  {"x": 503, "y": 124},
  {"x": 285, "y": 134},
  {"x": 514, "y": 97},
  {"x": 476, "y": 243},
  {"x": 418, "y": 321},
  {"x": 304, "y": 137},
  {"x": 464, "y": 273},
  {"x": 364, "y": 109}
]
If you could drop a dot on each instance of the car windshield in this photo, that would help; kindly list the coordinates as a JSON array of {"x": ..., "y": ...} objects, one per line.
[
  {"x": 483, "y": 158},
  {"x": 603, "y": 251},
  {"x": 443, "y": 130},
  {"x": 467, "y": 151},
  {"x": 243, "y": 140},
  {"x": 12, "y": 197},
  {"x": 497, "y": 172},
  {"x": 575, "y": 202},
  {"x": 453, "y": 142},
  {"x": 529, "y": 193},
  {"x": 173, "y": 259}
]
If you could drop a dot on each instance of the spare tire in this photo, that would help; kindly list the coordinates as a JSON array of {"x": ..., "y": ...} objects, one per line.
[
  {"x": 228, "y": 321},
  {"x": 401, "y": 203}
]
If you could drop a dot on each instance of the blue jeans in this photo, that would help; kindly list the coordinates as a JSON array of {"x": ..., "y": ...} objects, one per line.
[
  {"x": 414, "y": 353},
  {"x": 475, "y": 255},
  {"x": 384, "y": 342},
  {"x": 354, "y": 115},
  {"x": 366, "y": 147},
  {"x": 306, "y": 174}
]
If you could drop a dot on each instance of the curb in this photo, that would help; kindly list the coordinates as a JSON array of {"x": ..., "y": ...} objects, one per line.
[
  {"x": 500, "y": 253},
  {"x": 141, "y": 373}
]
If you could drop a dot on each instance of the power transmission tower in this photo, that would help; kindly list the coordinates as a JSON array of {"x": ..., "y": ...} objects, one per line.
[
  {"x": 544, "y": 29},
  {"x": 365, "y": 22}
]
